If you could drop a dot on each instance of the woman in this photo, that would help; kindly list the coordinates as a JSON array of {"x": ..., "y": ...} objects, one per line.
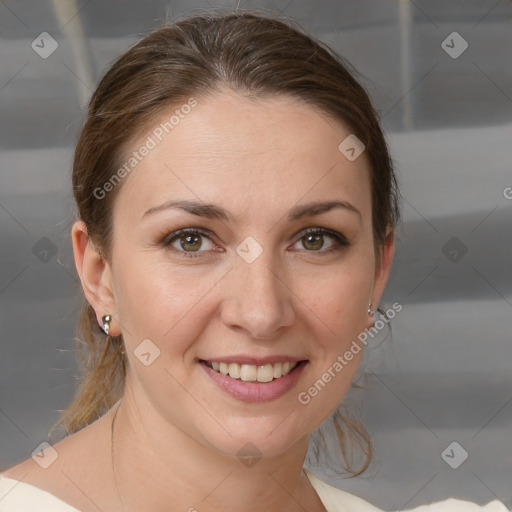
[{"x": 236, "y": 209}]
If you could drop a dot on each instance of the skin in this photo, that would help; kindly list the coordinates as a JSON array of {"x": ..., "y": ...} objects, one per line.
[{"x": 257, "y": 159}]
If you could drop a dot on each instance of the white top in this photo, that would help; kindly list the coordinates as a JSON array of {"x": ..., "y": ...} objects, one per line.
[{"x": 16, "y": 496}]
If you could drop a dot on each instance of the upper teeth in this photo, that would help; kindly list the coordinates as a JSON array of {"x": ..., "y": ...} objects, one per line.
[{"x": 252, "y": 372}]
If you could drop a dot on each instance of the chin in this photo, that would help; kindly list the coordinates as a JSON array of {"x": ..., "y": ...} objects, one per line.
[
  {"x": 251, "y": 444},
  {"x": 270, "y": 433}
]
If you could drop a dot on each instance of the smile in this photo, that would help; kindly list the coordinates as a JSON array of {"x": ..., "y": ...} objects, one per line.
[
  {"x": 254, "y": 382},
  {"x": 251, "y": 372}
]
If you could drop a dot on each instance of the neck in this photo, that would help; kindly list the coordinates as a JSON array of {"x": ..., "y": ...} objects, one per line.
[{"x": 155, "y": 467}]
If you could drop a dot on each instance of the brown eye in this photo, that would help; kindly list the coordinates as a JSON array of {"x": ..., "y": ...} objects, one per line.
[
  {"x": 313, "y": 240},
  {"x": 188, "y": 241},
  {"x": 192, "y": 242}
]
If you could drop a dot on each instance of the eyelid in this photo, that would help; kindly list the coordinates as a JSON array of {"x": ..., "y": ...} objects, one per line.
[
  {"x": 323, "y": 231},
  {"x": 340, "y": 241},
  {"x": 167, "y": 240}
]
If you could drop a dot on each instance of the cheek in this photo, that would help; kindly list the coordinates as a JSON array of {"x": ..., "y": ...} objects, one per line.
[
  {"x": 338, "y": 314},
  {"x": 161, "y": 302},
  {"x": 339, "y": 301}
]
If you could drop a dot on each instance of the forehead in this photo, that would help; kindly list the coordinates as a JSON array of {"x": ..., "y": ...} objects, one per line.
[{"x": 243, "y": 152}]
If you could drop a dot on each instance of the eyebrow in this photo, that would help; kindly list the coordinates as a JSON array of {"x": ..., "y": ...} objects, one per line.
[{"x": 213, "y": 211}]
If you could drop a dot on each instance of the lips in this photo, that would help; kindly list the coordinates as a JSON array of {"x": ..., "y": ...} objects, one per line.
[{"x": 262, "y": 389}]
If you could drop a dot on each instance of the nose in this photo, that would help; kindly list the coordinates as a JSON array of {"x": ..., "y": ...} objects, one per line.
[{"x": 258, "y": 300}]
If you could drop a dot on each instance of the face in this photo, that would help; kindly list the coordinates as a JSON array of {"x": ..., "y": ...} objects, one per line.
[{"x": 264, "y": 279}]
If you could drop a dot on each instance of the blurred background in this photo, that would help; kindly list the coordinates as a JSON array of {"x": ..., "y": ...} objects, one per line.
[{"x": 438, "y": 397}]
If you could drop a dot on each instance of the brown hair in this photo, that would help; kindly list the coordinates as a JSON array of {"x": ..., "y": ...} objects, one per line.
[{"x": 250, "y": 54}]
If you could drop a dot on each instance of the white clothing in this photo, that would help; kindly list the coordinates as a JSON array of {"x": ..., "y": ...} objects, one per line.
[{"x": 16, "y": 496}]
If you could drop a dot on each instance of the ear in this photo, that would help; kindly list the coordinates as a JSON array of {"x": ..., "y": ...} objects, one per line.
[
  {"x": 383, "y": 267},
  {"x": 95, "y": 276}
]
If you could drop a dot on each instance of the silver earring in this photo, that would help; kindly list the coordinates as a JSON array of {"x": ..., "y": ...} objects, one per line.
[
  {"x": 106, "y": 323},
  {"x": 370, "y": 310}
]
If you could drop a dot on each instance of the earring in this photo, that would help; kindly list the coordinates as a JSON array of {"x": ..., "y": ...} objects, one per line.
[
  {"x": 106, "y": 324},
  {"x": 370, "y": 310},
  {"x": 105, "y": 329}
]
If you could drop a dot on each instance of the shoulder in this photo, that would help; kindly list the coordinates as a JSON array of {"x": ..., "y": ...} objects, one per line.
[
  {"x": 455, "y": 505},
  {"x": 18, "y": 496},
  {"x": 336, "y": 500},
  {"x": 29, "y": 486},
  {"x": 51, "y": 461},
  {"x": 76, "y": 467}
]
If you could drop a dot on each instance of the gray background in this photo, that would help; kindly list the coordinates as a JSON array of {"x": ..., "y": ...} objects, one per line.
[{"x": 445, "y": 374}]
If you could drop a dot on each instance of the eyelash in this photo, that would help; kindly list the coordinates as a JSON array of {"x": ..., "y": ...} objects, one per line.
[{"x": 340, "y": 242}]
